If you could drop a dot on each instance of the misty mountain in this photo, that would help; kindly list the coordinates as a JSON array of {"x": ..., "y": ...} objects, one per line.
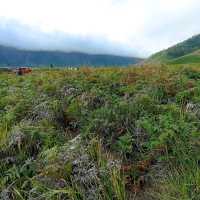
[
  {"x": 10, "y": 56},
  {"x": 184, "y": 52}
]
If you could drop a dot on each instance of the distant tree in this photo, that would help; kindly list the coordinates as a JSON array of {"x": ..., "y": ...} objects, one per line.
[{"x": 51, "y": 66}]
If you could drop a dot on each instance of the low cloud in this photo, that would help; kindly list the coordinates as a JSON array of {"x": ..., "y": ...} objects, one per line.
[
  {"x": 120, "y": 27},
  {"x": 15, "y": 34}
]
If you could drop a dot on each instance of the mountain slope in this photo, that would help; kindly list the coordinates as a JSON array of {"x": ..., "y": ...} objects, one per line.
[
  {"x": 187, "y": 59},
  {"x": 175, "y": 52},
  {"x": 10, "y": 56}
]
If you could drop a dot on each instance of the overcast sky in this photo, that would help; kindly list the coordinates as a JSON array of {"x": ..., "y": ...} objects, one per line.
[{"x": 122, "y": 27}]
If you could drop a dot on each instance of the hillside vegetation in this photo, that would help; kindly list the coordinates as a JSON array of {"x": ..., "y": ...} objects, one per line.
[
  {"x": 108, "y": 134},
  {"x": 187, "y": 59},
  {"x": 180, "y": 53}
]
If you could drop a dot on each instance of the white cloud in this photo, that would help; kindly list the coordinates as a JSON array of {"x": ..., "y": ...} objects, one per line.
[{"x": 142, "y": 26}]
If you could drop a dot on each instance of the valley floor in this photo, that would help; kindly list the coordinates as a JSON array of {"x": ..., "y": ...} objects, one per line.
[{"x": 104, "y": 134}]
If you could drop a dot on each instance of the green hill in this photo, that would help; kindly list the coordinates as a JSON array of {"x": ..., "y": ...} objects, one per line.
[
  {"x": 177, "y": 53},
  {"x": 187, "y": 59}
]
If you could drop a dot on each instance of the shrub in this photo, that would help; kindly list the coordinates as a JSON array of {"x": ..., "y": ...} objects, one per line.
[{"x": 125, "y": 144}]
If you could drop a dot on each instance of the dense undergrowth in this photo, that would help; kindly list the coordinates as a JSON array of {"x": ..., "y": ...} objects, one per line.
[{"x": 109, "y": 133}]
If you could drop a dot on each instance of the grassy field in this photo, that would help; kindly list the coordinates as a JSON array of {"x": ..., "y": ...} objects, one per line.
[{"x": 108, "y": 134}]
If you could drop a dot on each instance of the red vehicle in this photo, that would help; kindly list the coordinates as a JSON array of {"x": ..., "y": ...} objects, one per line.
[{"x": 23, "y": 70}]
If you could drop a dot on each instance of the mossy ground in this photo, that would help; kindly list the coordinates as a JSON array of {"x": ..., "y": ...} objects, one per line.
[{"x": 145, "y": 120}]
